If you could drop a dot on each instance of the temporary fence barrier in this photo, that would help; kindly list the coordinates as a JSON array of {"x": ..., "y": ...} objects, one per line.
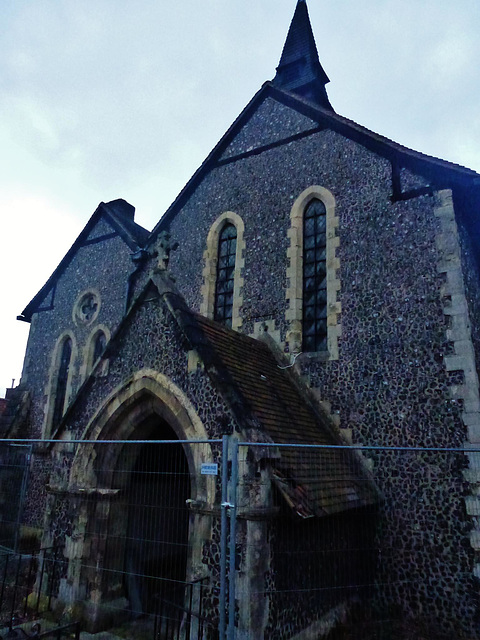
[
  {"x": 204, "y": 540},
  {"x": 14, "y": 465},
  {"x": 62, "y": 632}
]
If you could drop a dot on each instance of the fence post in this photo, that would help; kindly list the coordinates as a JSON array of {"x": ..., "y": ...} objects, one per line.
[
  {"x": 233, "y": 539},
  {"x": 223, "y": 540}
]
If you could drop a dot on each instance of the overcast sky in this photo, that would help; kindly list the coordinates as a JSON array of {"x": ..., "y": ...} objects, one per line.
[{"x": 101, "y": 99}]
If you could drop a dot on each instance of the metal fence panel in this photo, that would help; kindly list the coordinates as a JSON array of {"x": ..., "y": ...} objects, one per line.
[
  {"x": 14, "y": 460},
  {"x": 138, "y": 524},
  {"x": 370, "y": 543},
  {"x": 220, "y": 539}
]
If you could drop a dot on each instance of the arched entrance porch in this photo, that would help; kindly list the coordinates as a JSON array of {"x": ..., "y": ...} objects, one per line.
[{"x": 134, "y": 538}]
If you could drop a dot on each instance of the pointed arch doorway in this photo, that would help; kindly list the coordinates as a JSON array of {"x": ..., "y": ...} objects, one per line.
[
  {"x": 157, "y": 519},
  {"x": 149, "y": 525},
  {"x": 133, "y": 536}
]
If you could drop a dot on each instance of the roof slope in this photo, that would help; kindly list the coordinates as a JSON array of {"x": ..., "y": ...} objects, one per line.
[
  {"x": 269, "y": 406},
  {"x": 314, "y": 481},
  {"x": 119, "y": 214},
  {"x": 442, "y": 173}
]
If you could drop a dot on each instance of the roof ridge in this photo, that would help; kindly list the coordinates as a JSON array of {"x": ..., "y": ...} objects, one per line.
[
  {"x": 377, "y": 136},
  {"x": 312, "y": 110}
]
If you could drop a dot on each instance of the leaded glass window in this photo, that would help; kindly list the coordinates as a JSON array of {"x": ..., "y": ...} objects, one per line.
[
  {"x": 62, "y": 381},
  {"x": 227, "y": 249},
  {"x": 99, "y": 346},
  {"x": 314, "y": 277}
]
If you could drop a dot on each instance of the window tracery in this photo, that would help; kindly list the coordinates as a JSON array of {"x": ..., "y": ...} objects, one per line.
[
  {"x": 86, "y": 308},
  {"x": 95, "y": 345},
  {"x": 224, "y": 289},
  {"x": 100, "y": 342},
  {"x": 313, "y": 283},
  {"x": 62, "y": 381},
  {"x": 314, "y": 323}
]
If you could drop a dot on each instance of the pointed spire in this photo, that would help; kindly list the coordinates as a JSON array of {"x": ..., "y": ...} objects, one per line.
[{"x": 299, "y": 70}]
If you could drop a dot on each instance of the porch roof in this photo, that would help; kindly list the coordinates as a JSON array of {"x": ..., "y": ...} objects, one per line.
[{"x": 313, "y": 481}]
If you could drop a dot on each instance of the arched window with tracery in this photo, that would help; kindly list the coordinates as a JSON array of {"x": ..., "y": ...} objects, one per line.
[
  {"x": 315, "y": 277},
  {"x": 62, "y": 381},
  {"x": 312, "y": 294},
  {"x": 224, "y": 287}
]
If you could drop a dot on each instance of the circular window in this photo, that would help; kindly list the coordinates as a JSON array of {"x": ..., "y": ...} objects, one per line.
[{"x": 86, "y": 308}]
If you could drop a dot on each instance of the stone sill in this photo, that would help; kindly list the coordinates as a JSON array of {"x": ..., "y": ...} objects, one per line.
[{"x": 316, "y": 356}]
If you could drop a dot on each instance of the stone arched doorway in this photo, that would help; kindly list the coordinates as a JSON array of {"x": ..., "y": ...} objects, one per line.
[
  {"x": 150, "y": 521},
  {"x": 134, "y": 536}
]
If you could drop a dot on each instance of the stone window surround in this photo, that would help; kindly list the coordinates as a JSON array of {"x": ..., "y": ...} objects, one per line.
[
  {"x": 76, "y": 311},
  {"x": 210, "y": 270},
  {"x": 89, "y": 348},
  {"x": 52, "y": 385},
  {"x": 294, "y": 293}
]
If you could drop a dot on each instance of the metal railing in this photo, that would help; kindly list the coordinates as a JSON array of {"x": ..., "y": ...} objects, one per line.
[{"x": 28, "y": 584}]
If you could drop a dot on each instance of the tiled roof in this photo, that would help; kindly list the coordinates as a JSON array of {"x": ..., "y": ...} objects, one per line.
[
  {"x": 314, "y": 481},
  {"x": 270, "y": 406}
]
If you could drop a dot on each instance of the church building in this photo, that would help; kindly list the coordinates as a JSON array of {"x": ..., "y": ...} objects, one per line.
[{"x": 314, "y": 286}]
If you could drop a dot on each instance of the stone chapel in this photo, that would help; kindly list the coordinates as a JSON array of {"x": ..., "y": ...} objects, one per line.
[{"x": 314, "y": 283}]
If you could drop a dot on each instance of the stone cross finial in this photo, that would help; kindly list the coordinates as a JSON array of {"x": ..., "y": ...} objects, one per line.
[{"x": 163, "y": 247}]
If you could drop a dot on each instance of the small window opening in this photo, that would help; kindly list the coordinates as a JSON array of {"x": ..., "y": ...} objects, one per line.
[
  {"x": 62, "y": 381},
  {"x": 100, "y": 344}
]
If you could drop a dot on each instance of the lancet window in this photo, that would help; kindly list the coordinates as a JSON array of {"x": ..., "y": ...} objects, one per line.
[
  {"x": 315, "y": 277},
  {"x": 224, "y": 289},
  {"x": 99, "y": 346},
  {"x": 62, "y": 381}
]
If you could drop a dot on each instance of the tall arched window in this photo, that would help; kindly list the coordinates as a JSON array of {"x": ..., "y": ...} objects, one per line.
[
  {"x": 315, "y": 277},
  {"x": 222, "y": 288},
  {"x": 62, "y": 381},
  {"x": 313, "y": 308},
  {"x": 227, "y": 250},
  {"x": 95, "y": 346}
]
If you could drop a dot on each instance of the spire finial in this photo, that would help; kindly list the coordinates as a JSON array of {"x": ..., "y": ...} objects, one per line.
[{"x": 299, "y": 70}]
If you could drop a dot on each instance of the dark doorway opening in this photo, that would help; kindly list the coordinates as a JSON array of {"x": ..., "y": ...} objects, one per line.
[{"x": 156, "y": 546}]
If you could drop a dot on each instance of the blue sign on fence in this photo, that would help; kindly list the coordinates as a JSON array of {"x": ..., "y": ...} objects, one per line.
[{"x": 209, "y": 469}]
